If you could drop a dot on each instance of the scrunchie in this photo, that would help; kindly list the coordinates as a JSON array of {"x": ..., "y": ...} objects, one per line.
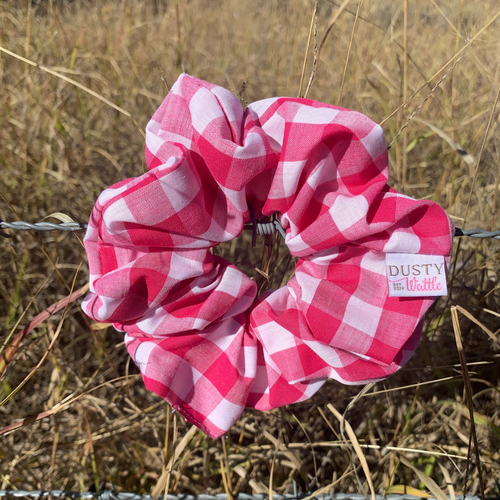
[{"x": 193, "y": 325}]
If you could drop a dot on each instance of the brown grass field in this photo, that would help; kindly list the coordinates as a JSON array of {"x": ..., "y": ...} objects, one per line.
[{"x": 60, "y": 146}]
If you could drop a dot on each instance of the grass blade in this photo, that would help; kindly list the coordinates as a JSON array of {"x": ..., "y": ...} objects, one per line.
[
  {"x": 430, "y": 484},
  {"x": 355, "y": 445},
  {"x": 468, "y": 394}
]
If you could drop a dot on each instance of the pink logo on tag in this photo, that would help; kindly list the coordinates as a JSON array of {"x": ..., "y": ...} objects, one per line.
[{"x": 415, "y": 275}]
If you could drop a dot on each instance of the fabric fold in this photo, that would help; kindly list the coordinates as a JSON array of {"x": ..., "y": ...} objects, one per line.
[{"x": 194, "y": 326}]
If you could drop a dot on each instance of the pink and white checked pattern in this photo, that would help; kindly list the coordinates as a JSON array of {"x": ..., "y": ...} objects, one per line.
[{"x": 193, "y": 324}]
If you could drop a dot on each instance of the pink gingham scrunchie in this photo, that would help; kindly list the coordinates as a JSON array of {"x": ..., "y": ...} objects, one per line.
[{"x": 192, "y": 324}]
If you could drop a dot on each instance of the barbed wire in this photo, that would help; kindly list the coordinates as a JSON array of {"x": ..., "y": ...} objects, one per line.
[
  {"x": 477, "y": 233},
  {"x": 113, "y": 495},
  {"x": 262, "y": 228},
  {"x": 43, "y": 226}
]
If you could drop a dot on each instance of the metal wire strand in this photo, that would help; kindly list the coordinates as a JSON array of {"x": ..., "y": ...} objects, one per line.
[
  {"x": 477, "y": 233},
  {"x": 112, "y": 495},
  {"x": 43, "y": 226},
  {"x": 262, "y": 228}
]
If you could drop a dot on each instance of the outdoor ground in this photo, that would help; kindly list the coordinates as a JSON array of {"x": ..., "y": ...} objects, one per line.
[{"x": 61, "y": 145}]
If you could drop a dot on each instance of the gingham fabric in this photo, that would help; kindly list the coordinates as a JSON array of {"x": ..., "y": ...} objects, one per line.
[{"x": 194, "y": 326}]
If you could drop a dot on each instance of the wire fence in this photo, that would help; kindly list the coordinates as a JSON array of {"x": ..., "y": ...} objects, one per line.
[
  {"x": 113, "y": 495},
  {"x": 262, "y": 229}
]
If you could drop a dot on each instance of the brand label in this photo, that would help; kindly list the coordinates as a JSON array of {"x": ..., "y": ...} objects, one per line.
[{"x": 414, "y": 275}]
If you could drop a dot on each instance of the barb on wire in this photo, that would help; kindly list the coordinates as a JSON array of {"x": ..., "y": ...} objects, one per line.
[
  {"x": 262, "y": 228},
  {"x": 113, "y": 495}
]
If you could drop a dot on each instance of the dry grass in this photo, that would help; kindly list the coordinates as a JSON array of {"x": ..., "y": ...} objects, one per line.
[{"x": 60, "y": 147}]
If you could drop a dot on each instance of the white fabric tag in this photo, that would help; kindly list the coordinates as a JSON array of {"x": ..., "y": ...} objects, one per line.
[{"x": 415, "y": 275}]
